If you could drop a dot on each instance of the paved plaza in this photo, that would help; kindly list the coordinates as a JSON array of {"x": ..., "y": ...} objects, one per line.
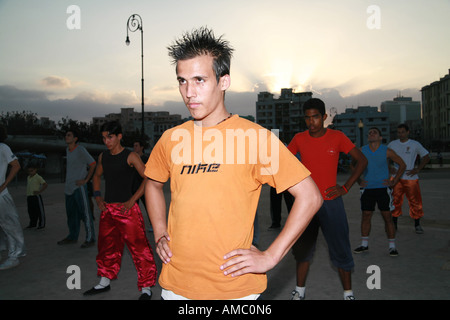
[{"x": 420, "y": 272}]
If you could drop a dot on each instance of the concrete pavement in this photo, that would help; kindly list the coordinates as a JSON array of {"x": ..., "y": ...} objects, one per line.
[{"x": 420, "y": 272}]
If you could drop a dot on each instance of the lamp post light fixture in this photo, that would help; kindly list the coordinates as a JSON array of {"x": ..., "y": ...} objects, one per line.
[
  {"x": 361, "y": 127},
  {"x": 134, "y": 23}
]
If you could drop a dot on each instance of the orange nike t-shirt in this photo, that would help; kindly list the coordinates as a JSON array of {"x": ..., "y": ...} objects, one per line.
[{"x": 216, "y": 174}]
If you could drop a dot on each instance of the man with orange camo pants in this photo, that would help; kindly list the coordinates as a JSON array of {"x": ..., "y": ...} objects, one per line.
[{"x": 408, "y": 185}]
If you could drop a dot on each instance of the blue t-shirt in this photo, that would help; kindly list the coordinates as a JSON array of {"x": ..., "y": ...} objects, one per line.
[{"x": 377, "y": 170}]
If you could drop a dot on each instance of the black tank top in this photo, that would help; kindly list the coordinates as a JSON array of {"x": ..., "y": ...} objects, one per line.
[{"x": 118, "y": 176}]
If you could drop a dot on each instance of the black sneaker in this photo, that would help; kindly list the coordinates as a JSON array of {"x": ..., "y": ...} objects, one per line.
[
  {"x": 88, "y": 244},
  {"x": 94, "y": 291},
  {"x": 393, "y": 252},
  {"x": 145, "y": 296},
  {"x": 66, "y": 241},
  {"x": 361, "y": 249}
]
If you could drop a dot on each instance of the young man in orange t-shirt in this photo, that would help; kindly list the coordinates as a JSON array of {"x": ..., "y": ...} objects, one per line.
[
  {"x": 319, "y": 150},
  {"x": 217, "y": 164}
]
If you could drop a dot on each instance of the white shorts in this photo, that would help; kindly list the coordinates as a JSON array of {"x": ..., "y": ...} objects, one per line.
[{"x": 170, "y": 295}]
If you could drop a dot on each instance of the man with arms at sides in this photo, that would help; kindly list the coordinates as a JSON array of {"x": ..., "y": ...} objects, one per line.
[
  {"x": 138, "y": 147},
  {"x": 376, "y": 188},
  {"x": 408, "y": 150},
  {"x": 206, "y": 243},
  {"x": 319, "y": 149},
  {"x": 76, "y": 191}
]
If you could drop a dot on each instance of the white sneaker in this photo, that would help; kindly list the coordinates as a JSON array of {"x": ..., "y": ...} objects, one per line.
[
  {"x": 9, "y": 263},
  {"x": 295, "y": 295}
]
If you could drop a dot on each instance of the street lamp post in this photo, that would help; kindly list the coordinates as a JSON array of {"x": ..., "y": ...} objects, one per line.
[
  {"x": 134, "y": 23},
  {"x": 361, "y": 127}
]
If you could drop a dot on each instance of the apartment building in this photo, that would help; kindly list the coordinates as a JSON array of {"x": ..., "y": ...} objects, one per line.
[
  {"x": 355, "y": 123},
  {"x": 404, "y": 110},
  {"x": 284, "y": 113},
  {"x": 436, "y": 110}
]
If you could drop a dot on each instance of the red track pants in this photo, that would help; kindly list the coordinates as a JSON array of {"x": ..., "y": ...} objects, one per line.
[{"x": 117, "y": 229}]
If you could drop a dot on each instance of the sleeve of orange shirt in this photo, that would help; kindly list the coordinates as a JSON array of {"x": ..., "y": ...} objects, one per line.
[
  {"x": 287, "y": 172},
  {"x": 159, "y": 170}
]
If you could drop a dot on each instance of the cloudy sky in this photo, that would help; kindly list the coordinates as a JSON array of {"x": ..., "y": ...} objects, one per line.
[{"x": 58, "y": 61}]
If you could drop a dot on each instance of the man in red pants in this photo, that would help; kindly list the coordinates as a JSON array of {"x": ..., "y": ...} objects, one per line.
[{"x": 121, "y": 219}]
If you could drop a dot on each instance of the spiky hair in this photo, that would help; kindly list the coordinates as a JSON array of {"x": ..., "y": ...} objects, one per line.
[{"x": 203, "y": 42}]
